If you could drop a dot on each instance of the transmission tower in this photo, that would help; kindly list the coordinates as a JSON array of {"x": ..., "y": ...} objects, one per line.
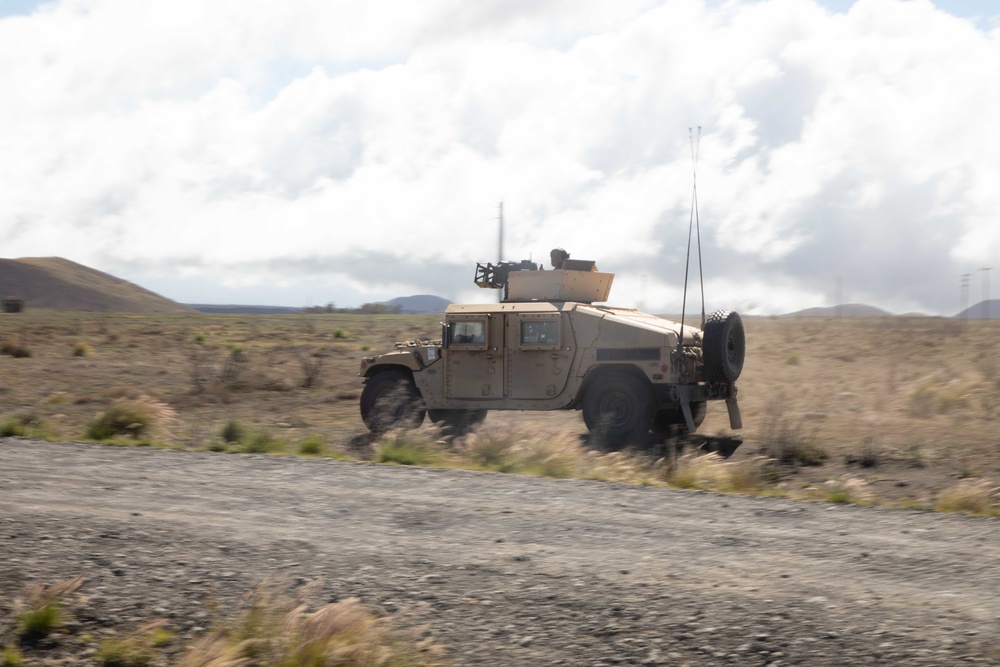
[{"x": 986, "y": 290}]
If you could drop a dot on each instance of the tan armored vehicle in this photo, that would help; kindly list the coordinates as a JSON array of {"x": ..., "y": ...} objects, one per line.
[{"x": 548, "y": 346}]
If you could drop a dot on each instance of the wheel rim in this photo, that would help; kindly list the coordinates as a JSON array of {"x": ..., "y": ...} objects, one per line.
[
  {"x": 615, "y": 409},
  {"x": 731, "y": 349}
]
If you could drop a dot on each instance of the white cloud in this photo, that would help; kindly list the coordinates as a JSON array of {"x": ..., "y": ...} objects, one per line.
[{"x": 351, "y": 144}]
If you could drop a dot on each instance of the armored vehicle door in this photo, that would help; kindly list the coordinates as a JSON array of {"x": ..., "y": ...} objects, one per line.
[
  {"x": 475, "y": 356},
  {"x": 539, "y": 353}
]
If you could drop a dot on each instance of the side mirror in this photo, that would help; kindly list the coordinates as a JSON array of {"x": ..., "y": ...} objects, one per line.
[{"x": 445, "y": 335}]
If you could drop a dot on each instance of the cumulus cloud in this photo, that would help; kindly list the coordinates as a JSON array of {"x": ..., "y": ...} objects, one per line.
[{"x": 341, "y": 151}]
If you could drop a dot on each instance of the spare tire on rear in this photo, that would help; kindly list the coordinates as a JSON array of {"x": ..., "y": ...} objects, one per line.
[{"x": 724, "y": 346}]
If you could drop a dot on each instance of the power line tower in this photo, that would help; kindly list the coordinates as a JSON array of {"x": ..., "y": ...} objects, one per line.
[
  {"x": 986, "y": 290},
  {"x": 963, "y": 310}
]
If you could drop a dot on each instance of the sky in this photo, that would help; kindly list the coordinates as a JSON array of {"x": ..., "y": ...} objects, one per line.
[{"x": 317, "y": 151}]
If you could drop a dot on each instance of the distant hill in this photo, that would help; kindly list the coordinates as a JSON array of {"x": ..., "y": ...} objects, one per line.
[
  {"x": 54, "y": 282},
  {"x": 979, "y": 311},
  {"x": 846, "y": 310},
  {"x": 235, "y": 309},
  {"x": 420, "y": 303}
]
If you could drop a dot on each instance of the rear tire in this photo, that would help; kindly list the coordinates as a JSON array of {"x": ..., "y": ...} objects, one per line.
[
  {"x": 724, "y": 346},
  {"x": 457, "y": 423},
  {"x": 390, "y": 400},
  {"x": 618, "y": 410}
]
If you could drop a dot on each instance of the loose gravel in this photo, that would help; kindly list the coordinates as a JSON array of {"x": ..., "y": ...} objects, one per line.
[{"x": 503, "y": 570}]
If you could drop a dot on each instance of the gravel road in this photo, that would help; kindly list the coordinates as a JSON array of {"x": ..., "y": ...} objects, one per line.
[{"x": 506, "y": 570}]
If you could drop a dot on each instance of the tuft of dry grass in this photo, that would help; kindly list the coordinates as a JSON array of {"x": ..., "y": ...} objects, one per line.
[
  {"x": 549, "y": 454},
  {"x": 272, "y": 629},
  {"x": 936, "y": 396},
  {"x": 848, "y": 490},
  {"x": 411, "y": 447},
  {"x": 137, "y": 649},
  {"x": 980, "y": 497},
  {"x": 138, "y": 419},
  {"x": 710, "y": 472},
  {"x": 39, "y": 611}
]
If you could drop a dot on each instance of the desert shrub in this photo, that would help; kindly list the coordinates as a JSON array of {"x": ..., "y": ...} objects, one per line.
[
  {"x": 40, "y": 611},
  {"x": 980, "y": 496},
  {"x": 81, "y": 350},
  {"x": 232, "y": 432},
  {"x": 136, "y": 419},
  {"x": 867, "y": 455},
  {"x": 794, "y": 359},
  {"x": 16, "y": 350},
  {"x": 260, "y": 442},
  {"x": 23, "y": 425},
  {"x": 786, "y": 443},
  {"x": 206, "y": 374},
  {"x": 341, "y": 334},
  {"x": 311, "y": 446},
  {"x": 312, "y": 368},
  {"x": 11, "y": 656},
  {"x": 271, "y": 629},
  {"x": 409, "y": 447}
]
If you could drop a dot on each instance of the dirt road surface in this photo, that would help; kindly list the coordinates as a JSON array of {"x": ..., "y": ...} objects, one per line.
[{"x": 506, "y": 570}]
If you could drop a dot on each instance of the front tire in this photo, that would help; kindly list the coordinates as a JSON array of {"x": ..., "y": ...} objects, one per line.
[
  {"x": 390, "y": 400},
  {"x": 618, "y": 409}
]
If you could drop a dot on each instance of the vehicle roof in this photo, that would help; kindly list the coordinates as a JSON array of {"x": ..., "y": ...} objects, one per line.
[
  {"x": 629, "y": 316},
  {"x": 513, "y": 307}
]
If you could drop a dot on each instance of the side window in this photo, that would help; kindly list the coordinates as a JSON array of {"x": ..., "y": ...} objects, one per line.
[
  {"x": 539, "y": 334},
  {"x": 468, "y": 333}
]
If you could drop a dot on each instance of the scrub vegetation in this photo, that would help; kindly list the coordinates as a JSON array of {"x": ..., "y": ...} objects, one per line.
[
  {"x": 270, "y": 627},
  {"x": 890, "y": 411}
]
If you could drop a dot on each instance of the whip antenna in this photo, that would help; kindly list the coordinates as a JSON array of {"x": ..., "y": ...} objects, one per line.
[
  {"x": 693, "y": 223},
  {"x": 697, "y": 221}
]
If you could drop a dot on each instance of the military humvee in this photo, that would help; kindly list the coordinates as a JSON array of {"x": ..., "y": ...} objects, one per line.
[{"x": 547, "y": 346}]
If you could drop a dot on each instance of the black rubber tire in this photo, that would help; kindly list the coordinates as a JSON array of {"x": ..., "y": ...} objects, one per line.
[
  {"x": 390, "y": 400},
  {"x": 724, "y": 346},
  {"x": 671, "y": 420},
  {"x": 457, "y": 423},
  {"x": 618, "y": 410}
]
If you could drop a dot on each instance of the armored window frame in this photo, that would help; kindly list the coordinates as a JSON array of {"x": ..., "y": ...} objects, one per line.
[
  {"x": 469, "y": 333},
  {"x": 538, "y": 332}
]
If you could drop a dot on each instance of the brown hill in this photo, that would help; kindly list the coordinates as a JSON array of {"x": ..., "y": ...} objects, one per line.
[
  {"x": 845, "y": 310},
  {"x": 54, "y": 282}
]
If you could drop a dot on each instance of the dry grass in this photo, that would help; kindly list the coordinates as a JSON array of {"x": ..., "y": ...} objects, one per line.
[
  {"x": 138, "y": 649},
  {"x": 710, "y": 472},
  {"x": 785, "y": 440},
  {"x": 39, "y": 612},
  {"x": 275, "y": 630},
  {"x": 979, "y": 496},
  {"x": 850, "y": 381},
  {"x": 847, "y": 490},
  {"x": 138, "y": 419}
]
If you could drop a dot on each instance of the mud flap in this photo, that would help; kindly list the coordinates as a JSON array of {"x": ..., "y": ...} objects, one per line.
[
  {"x": 688, "y": 417},
  {"x": 735, "y": 419}
]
